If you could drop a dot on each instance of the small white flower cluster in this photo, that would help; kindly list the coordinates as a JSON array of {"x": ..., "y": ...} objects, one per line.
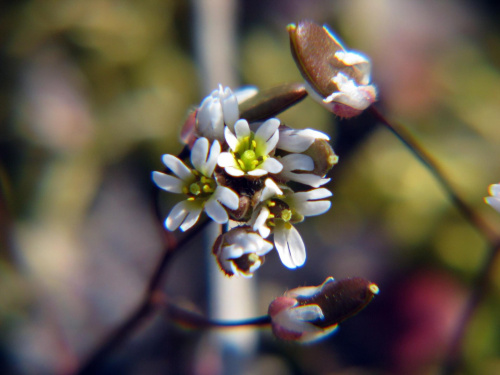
[{"x": 241, "y": 171}]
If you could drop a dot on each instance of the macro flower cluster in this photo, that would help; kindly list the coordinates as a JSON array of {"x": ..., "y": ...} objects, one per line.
[{"x": 262, "y": 175}]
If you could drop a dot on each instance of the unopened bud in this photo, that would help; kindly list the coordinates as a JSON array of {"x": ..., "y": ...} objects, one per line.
[
  {"x": 339, "y": 79},
  {"x": 310, "y": 313}
]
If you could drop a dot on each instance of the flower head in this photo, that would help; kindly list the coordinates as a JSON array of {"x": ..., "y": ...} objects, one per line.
[
  {"x": 277, "y": 213},
  {"x": 198, "y": 184},
  {"x": 217, "y": 110},
  {"x": 494, "y": 199},
  {"x": 240, "y": 251},
  {"x": 339, "y": 79},
  {"x": 249, "y": 153},
  {"x": 310, "y": 313}
]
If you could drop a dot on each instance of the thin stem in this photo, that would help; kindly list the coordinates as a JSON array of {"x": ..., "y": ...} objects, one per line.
[
  {"x": 452, "y": 360},
  {"x": 196, "y": 320},
  {"x": 469, "y": 214}
]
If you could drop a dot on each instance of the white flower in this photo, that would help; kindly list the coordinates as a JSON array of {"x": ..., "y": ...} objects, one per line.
[
  {"x": 198, "y": 184},
  {"x": 299, "y": 140},
  {"x": 279, "y": 212},
  {"x": 293, "y": 163},
  {"x": 249, "y": 154},
  {"x": 241, "y": 251},
  {"x": 494, "y": 199},
  {"x": 217, "y": 110}
]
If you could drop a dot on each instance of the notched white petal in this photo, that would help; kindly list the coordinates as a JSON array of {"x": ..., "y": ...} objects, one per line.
[
  {"x": 241, "y": 128},
  {"x": 199, "y": 153},
  {"x": 227, "y": 197},
  {"x": 168, "y": 183},
  {"x": 177, "y": 167},
  {"x": 272, "y": 165},
  {"x": 216, "y": 212}
]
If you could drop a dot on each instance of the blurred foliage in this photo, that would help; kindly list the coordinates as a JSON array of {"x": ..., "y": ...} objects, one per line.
[{"x": 94, "y": 91}]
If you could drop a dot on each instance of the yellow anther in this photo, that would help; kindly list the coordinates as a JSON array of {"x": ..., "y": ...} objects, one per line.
[
  {"x": 254, "y": 144},
  {"x": 207, "y": 188},
  {"x": 271, "y": 204}
]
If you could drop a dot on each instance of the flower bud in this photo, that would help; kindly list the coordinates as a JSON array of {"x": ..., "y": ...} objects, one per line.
[
  {"x": 339, "y": 79},
  {"x": 307, "y": 314},
  {"x": 240, "y": 251},
  {"x": 271, "y": 102}
]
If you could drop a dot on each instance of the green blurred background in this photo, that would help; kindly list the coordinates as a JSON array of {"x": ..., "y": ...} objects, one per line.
[{"x": 93, "y": 92}]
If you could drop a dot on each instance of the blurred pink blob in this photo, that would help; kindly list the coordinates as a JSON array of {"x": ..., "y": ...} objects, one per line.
[{"x": 429, "y": 305}]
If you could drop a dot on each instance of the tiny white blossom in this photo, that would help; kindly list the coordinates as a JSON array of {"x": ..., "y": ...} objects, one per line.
[
  {"x": 299, "y": 140},
  {"x": 198, "y": 184},
  {"x": 279, "y": 212},
  {"x": 240, "y": 251},
  {"x": 494, "y": 199},
  {"x": 217, "y": 110},
  {"x": 249, "y": 151},
  {"x": 293, "y": 163}
]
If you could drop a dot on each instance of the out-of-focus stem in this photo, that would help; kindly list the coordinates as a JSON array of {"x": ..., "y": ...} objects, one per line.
[
  {"x": 421, "y": 154},
  {"x": 453, "y": 357},
  {"x": 147, "y": 307}
]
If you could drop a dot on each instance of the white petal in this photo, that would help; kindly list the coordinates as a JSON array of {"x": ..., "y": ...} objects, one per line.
[
  {"x": 212, "y": 159},
  {"x": 178, "y": 214},
  {"x": 281, "y": 245},
  {"x": 177, "y": 167},
  {"x": 306, "y": 178},
  {"x": 230, "y": 108},
  {"x": 351, "y": 58},
  {"x": 270, "y": 190},
  {"x": 314, "y": 194},
  {"x": 493, "y": 202},
  {"x": 259, "y": 222},
  {"x": 268, "y": 129},
  {"x": 216, "y": 212},
  {"x": 257, "y": 172},
  {"x": 494, "y": 190},
  {"x": 231, "y": 139},
  {"x": 314, "y": 208},
  {"x": 168, "y": 183},
  {"x": 299, "y": 140},
  {"x": 290, "y": 246},
  {"x": 227, "y": 197},
  {"x": 191, "y": 219},
  {"x": 235, "y": 172},
  {"x": 297, "y": 247},
  {"x": 241, "y": 129},
  {"x": 272, "y": 165},
  {"x": 307, "y": 313},
  {"x": 226, "y": 159},
  {"x": 301, "y": 162},
  {"x": 199, "y": 153},
  {"x": 272, "y": 142}
]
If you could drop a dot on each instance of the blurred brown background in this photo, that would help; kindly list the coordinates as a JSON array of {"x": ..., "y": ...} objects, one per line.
[{"x": 93, "y": 92}]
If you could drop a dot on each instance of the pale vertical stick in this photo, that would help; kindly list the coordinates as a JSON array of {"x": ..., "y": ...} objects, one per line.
[{"x": 230, "y": 298}]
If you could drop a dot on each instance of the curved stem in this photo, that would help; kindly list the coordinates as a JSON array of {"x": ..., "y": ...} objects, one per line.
[
  {"x": 197, "y": 320},
  {"x": 421, "y": 154},
  {"x": 148, "y": 305},
  {"x": 452, "y": 360}
]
